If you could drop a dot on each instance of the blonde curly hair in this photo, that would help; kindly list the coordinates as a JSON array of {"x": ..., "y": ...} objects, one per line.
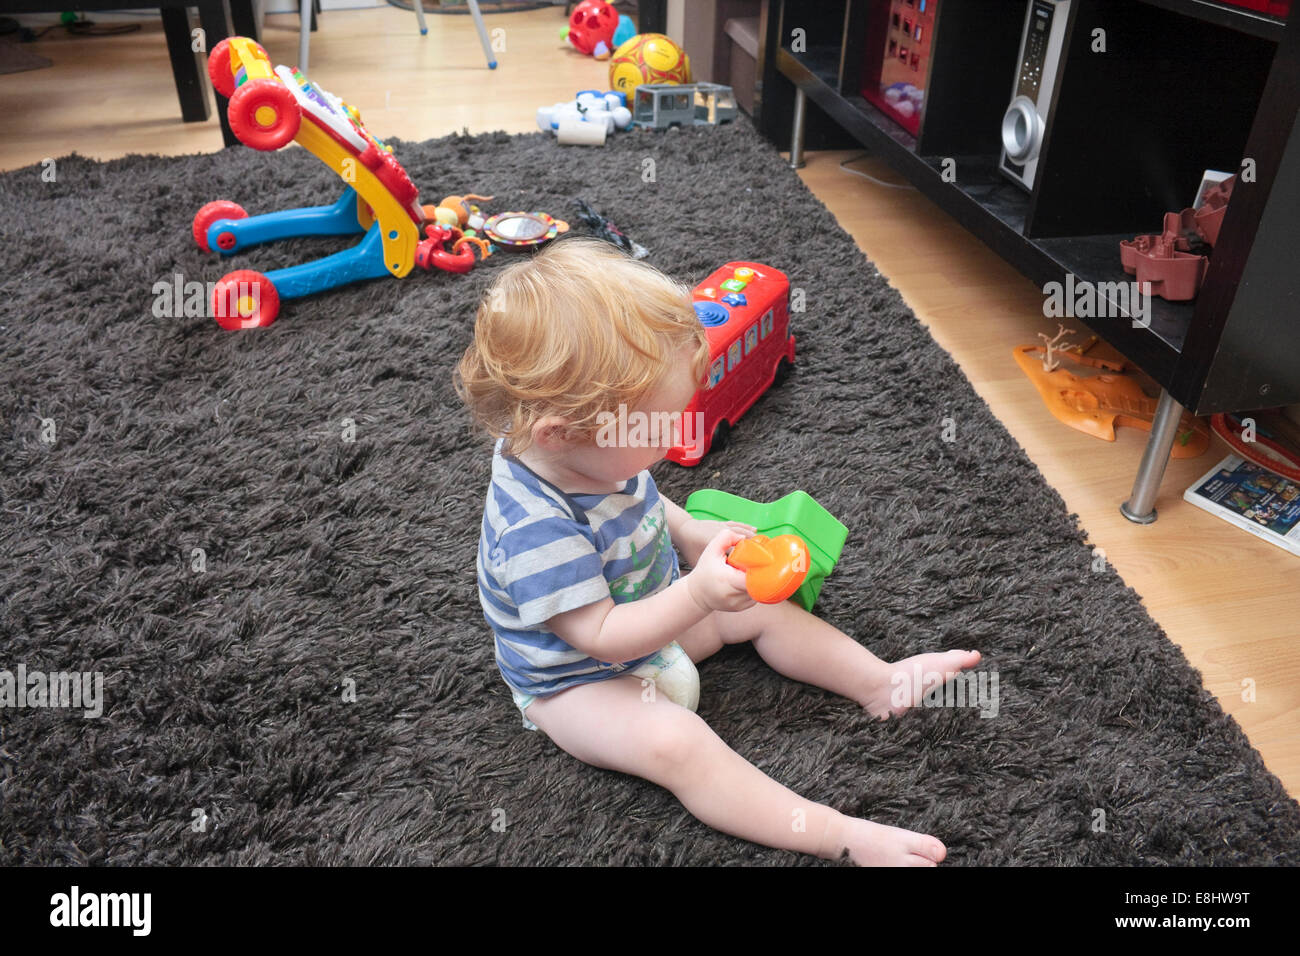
[{"x": 574, "y": 331}]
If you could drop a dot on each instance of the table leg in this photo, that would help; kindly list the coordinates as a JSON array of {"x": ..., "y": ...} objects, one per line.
[
  {"x": 214, "y": 16},
  {"x": 243, "y": 14},
  {"x": 188, "y": 67}
]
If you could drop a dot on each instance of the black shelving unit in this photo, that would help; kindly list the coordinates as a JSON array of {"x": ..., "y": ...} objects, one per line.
[{"x": 1183, "y": 86}]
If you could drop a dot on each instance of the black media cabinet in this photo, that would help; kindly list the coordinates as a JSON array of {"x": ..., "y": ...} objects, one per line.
[{"x": 1184, "y": 85}]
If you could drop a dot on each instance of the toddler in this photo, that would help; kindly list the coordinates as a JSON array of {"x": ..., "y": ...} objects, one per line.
[{"x": 597, "y": 630}]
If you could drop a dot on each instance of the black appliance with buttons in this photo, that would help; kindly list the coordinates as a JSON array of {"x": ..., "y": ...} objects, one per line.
[{"x": 1024, "y": 125}]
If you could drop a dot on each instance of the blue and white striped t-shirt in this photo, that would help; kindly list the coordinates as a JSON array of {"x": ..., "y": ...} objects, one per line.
[{"x": 543, "y": 551}]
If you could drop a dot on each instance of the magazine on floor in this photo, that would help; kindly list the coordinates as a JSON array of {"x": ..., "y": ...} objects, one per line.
[{"x": 1252, "y": 497}]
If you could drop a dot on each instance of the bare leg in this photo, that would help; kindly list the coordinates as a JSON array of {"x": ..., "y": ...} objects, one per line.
[
  {"x": 616, "y": 725},
  {"x": 805, "y": 648}
]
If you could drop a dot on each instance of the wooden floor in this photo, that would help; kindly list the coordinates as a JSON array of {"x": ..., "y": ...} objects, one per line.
[{"x": 1225, "y": 598}]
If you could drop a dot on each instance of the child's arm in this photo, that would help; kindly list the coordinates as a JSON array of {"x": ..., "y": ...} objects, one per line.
[
  {"x": 623, "y": 632},
  {"x": 691, "y": 535}
]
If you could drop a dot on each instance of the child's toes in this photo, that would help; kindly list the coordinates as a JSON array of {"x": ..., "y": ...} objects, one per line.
[
  {"x": 929, "y": 849},
  {"x": 956, "y": 661}
]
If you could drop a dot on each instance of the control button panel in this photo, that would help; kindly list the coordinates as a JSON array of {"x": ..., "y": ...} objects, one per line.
[{"x": 1031, "y": 68}]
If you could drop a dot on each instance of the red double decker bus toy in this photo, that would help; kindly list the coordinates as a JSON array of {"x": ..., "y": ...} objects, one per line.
[{"x": 745, "y": 309}]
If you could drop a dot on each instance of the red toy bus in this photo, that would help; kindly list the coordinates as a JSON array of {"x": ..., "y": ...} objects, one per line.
[{"x": 745, "y": 308}]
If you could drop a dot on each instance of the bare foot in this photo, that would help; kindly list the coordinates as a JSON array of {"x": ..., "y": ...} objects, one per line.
[
  {"x": 900, "y": 686},
  {"x": 874, "y": 844}
]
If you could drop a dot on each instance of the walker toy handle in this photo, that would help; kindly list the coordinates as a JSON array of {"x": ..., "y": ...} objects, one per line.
[{"x": 774, "y": 567}]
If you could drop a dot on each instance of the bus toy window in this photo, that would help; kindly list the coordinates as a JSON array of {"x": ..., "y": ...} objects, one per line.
[
  {"x": 681, "y": 101},
  {"x": 715, "y": 372},
  {"x": 751, "y": 339},
  {"x": 645, "y": 106},
  {"x": 766, "y": 324},
  {"x": 733, "y": 355},
  {"x": 702, "y": 111}
]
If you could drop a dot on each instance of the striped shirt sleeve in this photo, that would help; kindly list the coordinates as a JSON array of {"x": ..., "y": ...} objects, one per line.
[{"x": 547, "y": 565}]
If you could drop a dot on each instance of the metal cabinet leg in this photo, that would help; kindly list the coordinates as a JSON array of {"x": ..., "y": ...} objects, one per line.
[
  {"x": 1140, "y": 507},
  {"x": 796, "y": 133}
]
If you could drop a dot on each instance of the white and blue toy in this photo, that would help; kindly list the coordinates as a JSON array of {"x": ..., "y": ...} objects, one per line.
[{"x": 586, "y": 119}]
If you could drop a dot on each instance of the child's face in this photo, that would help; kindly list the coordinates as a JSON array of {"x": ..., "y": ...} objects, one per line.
[{"x": 622, "y": 449}]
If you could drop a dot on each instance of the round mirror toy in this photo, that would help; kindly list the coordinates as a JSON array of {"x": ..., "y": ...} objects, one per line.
[{"x": 522, "y": 230}]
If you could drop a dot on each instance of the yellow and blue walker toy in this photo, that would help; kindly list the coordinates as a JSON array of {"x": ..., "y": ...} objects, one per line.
[{"x": 270, "y": 107}]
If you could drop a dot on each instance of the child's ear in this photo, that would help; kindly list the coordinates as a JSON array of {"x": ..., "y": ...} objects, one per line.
[{"x": 551, "y": 433}]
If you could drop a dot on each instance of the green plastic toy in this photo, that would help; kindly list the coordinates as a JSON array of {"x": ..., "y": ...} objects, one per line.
[{"x": 796, "y": 513}]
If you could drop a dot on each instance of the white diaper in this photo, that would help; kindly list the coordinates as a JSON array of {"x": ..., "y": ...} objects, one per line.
[{"x": 670, "y": 670}]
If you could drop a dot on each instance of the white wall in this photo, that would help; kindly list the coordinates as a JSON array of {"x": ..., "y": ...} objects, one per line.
[{"x": 676, "y": 19}]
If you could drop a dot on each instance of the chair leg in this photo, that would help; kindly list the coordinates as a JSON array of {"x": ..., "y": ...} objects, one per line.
[
  {"x": 1140, "y": 507},
  {"x": 419, "y": 16},
  {"x": 305, "y": 20},
  {"x": 482, "y": 33}
]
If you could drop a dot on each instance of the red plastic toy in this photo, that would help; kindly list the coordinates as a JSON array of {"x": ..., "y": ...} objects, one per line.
[
  {"x": 745, "y": 309},
  {"x": 430, "y": 252},
  {"x": 1166, "y": 261},
  {"x": 591, "y": 27}
]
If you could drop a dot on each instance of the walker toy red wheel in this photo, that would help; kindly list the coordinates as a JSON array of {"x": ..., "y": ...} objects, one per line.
[
  {"x": 245, "y": 300},
  {"x": 210, "y": 213},
  {"x": 264, "y": 114},
  {"x": 223, "y": 81}
]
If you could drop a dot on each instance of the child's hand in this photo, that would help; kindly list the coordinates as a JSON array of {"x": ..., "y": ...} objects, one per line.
[
  {"x": 714, "y": 584},
  {"x": 696, "y": 534}
]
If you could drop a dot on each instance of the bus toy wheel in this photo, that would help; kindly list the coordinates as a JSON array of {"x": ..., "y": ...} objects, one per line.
[
  {"x": 720, "y": 435},
  {"x": 782, "y": 372}
]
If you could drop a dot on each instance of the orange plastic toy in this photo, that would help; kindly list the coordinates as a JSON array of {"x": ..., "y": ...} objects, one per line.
[
  {"x": 774, "y": 567},
  {"x": 1096, "y": 404}
]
